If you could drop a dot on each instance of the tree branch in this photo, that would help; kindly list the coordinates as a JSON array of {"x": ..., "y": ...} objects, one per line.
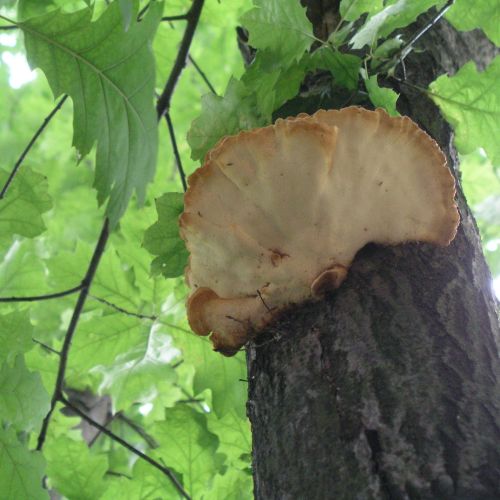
[
  {"x": 124, "y": 311},
  {"x": 49, "y": 296},
  {"x": 86, "y": 282},
  {"x": 202, "y": 74},
  {"x": 181, "y": 17},
  {"x": 46, "y": 347},
  {"x": 127, "y": 445},
  {"x": 177, "y": 156},
  {"x": 30, "y": 145},
  {"x": 193, "y": 17},
  {"x": 138, "y": 430}
]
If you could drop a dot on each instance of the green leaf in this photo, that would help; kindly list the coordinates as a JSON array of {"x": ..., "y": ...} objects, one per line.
[
  {"x": 187, "y": 445},
  {"x": 221, "y": 116},
  {"x": 142, "y": 374},
  {"x": 343, "y": 67},
  {"x": 127, "y": 10},
  {"x": 73, "y": 470},
  {"x": 147, "y": 483},
  {"x": 233, "y": 485},
  {"x": 21, "y": 470},
  {"x": 397, "y": 15},
  {"x": 15, "y": 335},
  {"x": 272, "y": 87},
  {"x": 23, "y": 399},
  {"x": 281, "y": 27},
  {"x": 350, "y": 10},
  {"x": 485, "y": 14},
  {"x": 163, "y": 239},
  {"x": 110, "y": 76},
  {"x": 225, "y": 378},
  {"x": 21, "y": 271},
  {"x": 235, "y": 440},
  {"x": 100, "y": 340},
  {"x": 470, "y": 101},
  {"x": 25, "y": 202},
  {"x": 382, "y": 97}
]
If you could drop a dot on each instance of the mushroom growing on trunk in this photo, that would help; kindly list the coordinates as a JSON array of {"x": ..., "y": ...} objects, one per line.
[{"x": 276, "y": 215}]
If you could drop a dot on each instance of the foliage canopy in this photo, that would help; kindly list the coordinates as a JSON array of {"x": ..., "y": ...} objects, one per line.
[{"x": 133, "y": 365}]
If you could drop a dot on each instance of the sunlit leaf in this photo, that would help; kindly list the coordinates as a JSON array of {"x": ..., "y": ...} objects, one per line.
[
  {"x": 470, "y": 101},
  {"x": 15, "y": 335},
  {"x": 187, "y": 445},
  {"x": 233, "y": 485},
  {"x": 73, "y": 470},
  {"x": 21, "y": 470},
  {"x": 26, "y": 200},
  {"x": 350, "y": 10},
  {"x": 396, "y": 15},
  {"x": 110, "y": 76},
  {"x": 23, "y": 399},
  {"x": 380, "y": 96},
  {"x": 485, "y": 14},
  {"x": 235, "y": 440}
]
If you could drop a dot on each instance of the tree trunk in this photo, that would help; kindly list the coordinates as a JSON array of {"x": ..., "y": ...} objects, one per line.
[{"x": 390, "y": 388}]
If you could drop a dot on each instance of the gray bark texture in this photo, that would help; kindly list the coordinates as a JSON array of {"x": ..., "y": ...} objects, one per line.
[{"x": 389, "y": 388}]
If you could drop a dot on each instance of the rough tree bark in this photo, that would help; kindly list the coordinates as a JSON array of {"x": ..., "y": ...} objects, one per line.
[{"x": 390, "y": 388}]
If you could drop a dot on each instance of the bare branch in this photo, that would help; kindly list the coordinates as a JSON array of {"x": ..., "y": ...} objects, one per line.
[
  {"x": 30, "y": 145},
  {"x": 193, "y": 17},
  {"x": 86, "y": 282},
  {"x": 177, "y": 156},
  {"x": 138, "y": 429},
  {"x": 124, "y": 311},
  {"x": 181, "y": 17},
  {"x": 46, "y": 347},
  {"x": 48, "y": 296},
  {"x": 202, "y": 74},
  {"x": 127, "y": 445}
]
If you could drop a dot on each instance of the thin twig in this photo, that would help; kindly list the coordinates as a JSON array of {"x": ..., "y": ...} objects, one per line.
[
  {"x": 48, "y": 296},
  {"x": 408, "y": 47},
  {"x": 194, "y": 13},
  {"x": 99, "y": 432},
  {"x": 181, "y": 17},
  {"x": 46, "y": 347},
  {"x": 177, "y": 156},
  {"x": 202, "y": 74},
  {"x": 8, "y": 28},
  {"x": 138, "y": 429},
  {"x": 30, "y": 144},
  {"x": 86, "y": 282},
  {"x": 124, "y": 311},
  {"x": 127, "y": 445}
]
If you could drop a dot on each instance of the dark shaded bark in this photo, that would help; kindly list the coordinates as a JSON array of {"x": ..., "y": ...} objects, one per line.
[{"x": 390, "y": 388}]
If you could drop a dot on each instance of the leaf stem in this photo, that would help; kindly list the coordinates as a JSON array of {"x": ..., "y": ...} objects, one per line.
[
  {"x": 63, "y": 361},
  {"x": 49, "y": 296},
  {"x": 19, "y": 161},
  {"x": 127, "y": 445}
]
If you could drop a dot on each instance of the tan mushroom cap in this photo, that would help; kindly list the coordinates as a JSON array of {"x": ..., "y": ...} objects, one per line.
[{"x": 276, "y": 215}]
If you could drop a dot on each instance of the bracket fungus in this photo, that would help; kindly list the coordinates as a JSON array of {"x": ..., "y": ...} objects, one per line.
[{"x": 276, "y": 215}]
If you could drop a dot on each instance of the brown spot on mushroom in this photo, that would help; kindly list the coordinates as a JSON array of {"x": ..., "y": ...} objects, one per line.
[{"x": 293, "y": 185}]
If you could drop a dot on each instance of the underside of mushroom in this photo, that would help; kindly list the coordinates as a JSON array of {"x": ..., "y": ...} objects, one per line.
[{"x": 276, "y": 215}]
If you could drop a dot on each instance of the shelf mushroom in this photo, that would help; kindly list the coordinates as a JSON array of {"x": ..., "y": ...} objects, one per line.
[{"x": 276, "y": 215}]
